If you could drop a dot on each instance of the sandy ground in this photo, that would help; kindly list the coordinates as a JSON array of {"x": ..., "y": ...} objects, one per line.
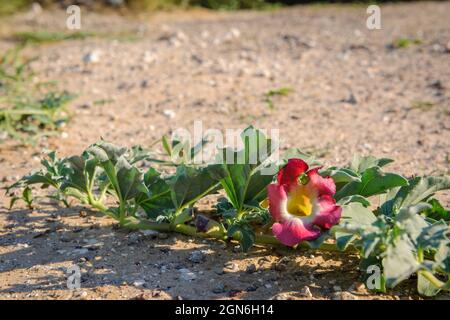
[{"x": 352, "y": 93}]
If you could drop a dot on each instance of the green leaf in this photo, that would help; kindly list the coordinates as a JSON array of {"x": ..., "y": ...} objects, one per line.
[
  {"x": 418, "y": 190},
  {"x": 442, "y": 257},
  {"x": 234, "y": 179},
  {"x": 43, "y": 178},
  {"x": 183, "y": 217},
  {"x": 257, "y": 186},
  {"x": 223, "y": 205},
  {"x": 399, "y": 261},
  {"x": 354, "y": 198},
  {"x": 357, "y": 215},
  {"x": 126, "y": 180},
  {"x": 138, "y": 153},
  {"x": 105, "y": 151},
  {"x": 340, "y": 175},
  {"x": 182, "y": 152},
  {"x": 315, "y": 244},
  {"x": 247, "y": 239},
  {"x": 166, "y": 145},
  {"x": 344, "y": 239},
  {"x": 158, "y": 199},
  {"x": 354, "y": 217},
  {"x": 130, "y": 180},
  {"x": 373, "y": 181},
  {"x": 27, "y": 196},
  {"x": 437, "y": 211},
  {"x": 241, "y": 173},
  {"x": 245, "y": 234},
  {"x": 189, "y": 184},
  {"x": 409, "y": 220},
  {"x": 299, "y": 154},
  {"x": 432, "y": 236},
  {"x": 52, "y": 174},
  {"x": 370, "y": 243},
  {"x": 82, "y": 175},
  {"x": 361, "y": 163}
]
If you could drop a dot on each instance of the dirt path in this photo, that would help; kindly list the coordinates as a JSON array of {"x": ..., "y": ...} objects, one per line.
[{"x": 351, "y": 94}]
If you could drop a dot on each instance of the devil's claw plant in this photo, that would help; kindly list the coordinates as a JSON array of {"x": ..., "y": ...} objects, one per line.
[{"x": 393, "y": 222}]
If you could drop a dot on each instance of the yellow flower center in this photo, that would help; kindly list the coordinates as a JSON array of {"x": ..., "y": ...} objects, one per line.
[
  {"x": 300, "y": 201},
  {"x": 265, "y": 203}
]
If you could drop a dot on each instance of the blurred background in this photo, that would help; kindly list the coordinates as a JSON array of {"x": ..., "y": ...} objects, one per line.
[{"x": 11, "y": 6}]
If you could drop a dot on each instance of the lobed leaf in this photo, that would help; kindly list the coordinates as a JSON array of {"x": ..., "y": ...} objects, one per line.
[
  {"x": 341, "y": 175},
  {"x": 158, "y": 199},
  {"x": 373, "y": 182},
  {"x": 189, "y": 184},
  {"x": 399, "y": 261},
  {"x": 241, "y": 172},
  {"x": 355, "y": 217},
  {"x": 360, "y": 163},
  {"x": 418, "y": 189}
]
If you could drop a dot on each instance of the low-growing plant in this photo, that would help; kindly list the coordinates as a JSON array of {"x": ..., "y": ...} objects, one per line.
[
  {"x": 44, "y": 36},
  {"x": 393, "y": 222},
  {"x": 235, "y": 4},
  {"x": 28, "y": 110},
  {"x": 11, "y": 6},
  {"x": 33, "y": 37},
  {"x": 421, "y": 105},
  {"x": 405, "y": 43},
  {"x": 281, "y": 92}
]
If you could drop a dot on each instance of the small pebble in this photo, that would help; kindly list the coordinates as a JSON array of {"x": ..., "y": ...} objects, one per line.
[
  {"x": 197, "y": 256},
  {"x": 80, "y": 251},
  {"x": 92, "y": 57},
  {"x": 230, "y": 267},
  {"x": 252, "y": 287},
  {"x": 139, "y": 283},
  {"x": 251, "y": 268},
  {"x": 163, "y": 236},
  {"x": 306, "y": 292},
  {"x": 169, "y": 113},
  {"x": 187, "y": 275},
  {"x": 150, "y": 233},
  {"x": 220, "y": 288}
]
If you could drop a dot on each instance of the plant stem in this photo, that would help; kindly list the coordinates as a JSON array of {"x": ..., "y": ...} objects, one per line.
[
  {"x": 121, "y": 213},
  {"x": 268, "y": 239},
  {"x": 240, "y": 213},
  {"x": 102, "y": 208},
  {"x": 99, "y": 206},
  {"x": 103, "y": 193},
  {"x": 435, "y": 281},
  {"x": 420, "y": 255},
  {"x": 136, "y": 224},
  {"x": 191, "y": 231}
]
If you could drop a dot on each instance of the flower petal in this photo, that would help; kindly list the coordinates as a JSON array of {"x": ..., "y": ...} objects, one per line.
[
  {"x": 293, "y": 232},
  {"x": 330, "y": 212},
  {"x": 277, "y": 200},
  {"x": 322, "y": 185},
  {"x": 289, "y": 174}
]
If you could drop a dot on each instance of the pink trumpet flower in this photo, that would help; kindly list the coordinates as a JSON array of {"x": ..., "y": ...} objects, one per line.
[{"x": 302, "y": 203}]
